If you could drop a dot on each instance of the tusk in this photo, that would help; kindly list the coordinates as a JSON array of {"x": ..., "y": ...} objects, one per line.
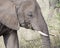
[
  {"x": 52, "y": 34},
  {"x": 42, "y": 33}
]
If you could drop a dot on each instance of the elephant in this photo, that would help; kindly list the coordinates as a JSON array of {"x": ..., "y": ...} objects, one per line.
[{"x": 21, "y": 13}]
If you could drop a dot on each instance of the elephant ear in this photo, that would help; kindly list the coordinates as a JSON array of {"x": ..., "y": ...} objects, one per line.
[{"x": 8, "y": 15}]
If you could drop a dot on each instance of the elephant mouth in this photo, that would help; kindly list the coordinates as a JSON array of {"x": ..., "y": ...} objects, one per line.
[{"x": 26, "y": 25}]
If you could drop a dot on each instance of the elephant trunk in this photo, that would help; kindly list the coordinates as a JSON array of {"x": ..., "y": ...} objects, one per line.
[{"x": 41, "y": 27}]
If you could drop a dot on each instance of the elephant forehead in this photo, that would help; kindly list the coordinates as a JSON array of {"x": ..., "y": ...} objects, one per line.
[{"x": 8, "y": 15}]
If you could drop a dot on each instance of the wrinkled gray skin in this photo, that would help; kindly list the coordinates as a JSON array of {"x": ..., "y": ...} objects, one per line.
[{"x": 24, "y": 13}]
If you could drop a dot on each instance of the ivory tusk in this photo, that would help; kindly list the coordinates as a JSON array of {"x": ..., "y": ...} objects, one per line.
[{"x": 42, "y": 33}]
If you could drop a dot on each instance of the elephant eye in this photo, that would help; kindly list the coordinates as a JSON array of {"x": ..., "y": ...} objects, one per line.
[{"x": 30, "y": 14}]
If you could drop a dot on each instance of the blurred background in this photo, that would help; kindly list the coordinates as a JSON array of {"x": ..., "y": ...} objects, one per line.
[{"x": 51, "y": 13}]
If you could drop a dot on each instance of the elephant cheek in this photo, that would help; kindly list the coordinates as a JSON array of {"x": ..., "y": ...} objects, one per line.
[{"x": 35, "y": 25}]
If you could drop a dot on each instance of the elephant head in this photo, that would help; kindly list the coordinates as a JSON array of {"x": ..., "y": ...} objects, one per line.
[{"x": 30, "y": 16}]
